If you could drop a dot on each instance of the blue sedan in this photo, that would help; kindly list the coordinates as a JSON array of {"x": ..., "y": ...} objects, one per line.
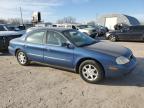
[{"x": 73, "y": 50}]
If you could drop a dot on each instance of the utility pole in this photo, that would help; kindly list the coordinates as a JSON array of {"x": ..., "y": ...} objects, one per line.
[{"x": 21, "y": 15}]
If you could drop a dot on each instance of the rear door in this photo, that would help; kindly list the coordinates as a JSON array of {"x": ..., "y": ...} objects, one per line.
[
  {"x": 124, "y": 34},
  {"x": 55, "y": 53},
  {"x": 136, "y": 33},
  {"x": 34, "y": 46}
]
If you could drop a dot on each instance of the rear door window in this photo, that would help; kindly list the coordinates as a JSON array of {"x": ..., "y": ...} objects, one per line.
[{"x": 36, "y": 37}]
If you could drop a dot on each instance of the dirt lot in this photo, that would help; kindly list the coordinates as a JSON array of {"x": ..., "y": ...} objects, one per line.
[{"x": 39, "y": 86}]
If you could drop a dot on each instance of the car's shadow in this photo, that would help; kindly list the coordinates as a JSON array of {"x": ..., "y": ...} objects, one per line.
[
  {"x": 5, "y": 53},
  {"x": 37, "y": 64},
  {"x": 135, "y": 78}
]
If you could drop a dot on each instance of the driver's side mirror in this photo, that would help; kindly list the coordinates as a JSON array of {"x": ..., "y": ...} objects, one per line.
[{"x": 68, "y": 45}]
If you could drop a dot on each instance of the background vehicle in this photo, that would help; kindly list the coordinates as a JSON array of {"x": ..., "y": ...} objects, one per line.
[
  {"x": 7, "y": 33},
  {"x": 8, "y": 27},
  {"x": 100, "y": 29},
  {"x": 120, "y": 26},
  {"x": 21, "y": 27},
  {"x": 89, "y": 30},
  {"x": 132, "y": 33},
  {"x": 73, "y": 50}
]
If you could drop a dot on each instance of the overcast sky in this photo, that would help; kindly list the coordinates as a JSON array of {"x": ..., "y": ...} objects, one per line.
[{"x": 82, "y": 10}]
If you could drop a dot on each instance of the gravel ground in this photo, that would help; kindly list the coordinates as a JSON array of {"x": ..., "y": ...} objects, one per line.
[{"x": 39, "y": 86}]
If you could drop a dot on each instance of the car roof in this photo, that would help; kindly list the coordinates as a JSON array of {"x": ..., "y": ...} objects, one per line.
[
  {"x": 59, "y": 29},
  {"x": 2, "y": 24}
]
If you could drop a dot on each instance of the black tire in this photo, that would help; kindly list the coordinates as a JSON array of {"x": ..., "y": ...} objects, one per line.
[
  {"x": 25, "y": 61},
  {"x": 99, "y": 71},
  {"x": 93, "y": 36},
  {"x": 113, "y": 38},
  {"x": 107, "y": 38},
  {"x": 97, "y": 35}
]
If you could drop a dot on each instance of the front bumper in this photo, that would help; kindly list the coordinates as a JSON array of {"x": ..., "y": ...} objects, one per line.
[{"x": 120, "y": 70}]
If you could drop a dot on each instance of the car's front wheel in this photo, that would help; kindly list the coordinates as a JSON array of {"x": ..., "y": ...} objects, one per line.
[
  {"x": 91, "y": 71},
  {"x": 22, "y": 58},
  {"x": 113, "y": 38}
]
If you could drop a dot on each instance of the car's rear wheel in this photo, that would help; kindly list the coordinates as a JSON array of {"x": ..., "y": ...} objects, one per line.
[
  {"x": 91, "y": 71},
  {"x": 22, "y": 58},
  {"x": 113, "y": 38}
]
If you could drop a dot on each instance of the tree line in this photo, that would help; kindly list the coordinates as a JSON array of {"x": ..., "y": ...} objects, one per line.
[{"x": 15, "y": 21}]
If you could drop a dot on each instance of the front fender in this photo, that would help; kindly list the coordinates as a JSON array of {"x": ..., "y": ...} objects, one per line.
[{"x": 103, "y": 59}]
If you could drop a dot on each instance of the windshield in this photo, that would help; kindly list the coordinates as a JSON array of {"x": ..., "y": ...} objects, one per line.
[
  {"x": 82, "y": 26},
  {"x": 10, "y": 28},
  {"x": 91, "y": 26},
  {"x": 79, "y": 39}
]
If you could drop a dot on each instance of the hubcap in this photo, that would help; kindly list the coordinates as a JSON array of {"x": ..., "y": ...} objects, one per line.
[
  {"x": 113, "y": 38},
  {"x": 90, "y": 72},
  {"x": 22, "y": 58},
  {"x": 97, "y": 34}
]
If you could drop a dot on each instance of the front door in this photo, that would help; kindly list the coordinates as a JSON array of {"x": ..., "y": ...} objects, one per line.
[
  {"x": 123, "y": 34},
  {"x": 57, "y": 54}
]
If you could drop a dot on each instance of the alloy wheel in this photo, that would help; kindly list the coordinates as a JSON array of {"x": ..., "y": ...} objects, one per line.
[
  {"x": 90, "y": 72},
  {"x": 113, "y": 38},
  {"x": 22, "y": 58}
]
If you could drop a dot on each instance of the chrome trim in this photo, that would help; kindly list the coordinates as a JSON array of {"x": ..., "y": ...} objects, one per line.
[
  {"x": 53, "y": 45},
  {"x": 56, "y": 58},
  {"x": 49, "y": 57},
  {"x": 35, "y": 55}
]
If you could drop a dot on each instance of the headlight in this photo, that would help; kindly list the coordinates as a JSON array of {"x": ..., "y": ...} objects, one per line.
[{"x": 122, "y": 60}]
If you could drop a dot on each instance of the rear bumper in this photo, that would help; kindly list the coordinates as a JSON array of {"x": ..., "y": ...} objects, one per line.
[
  {"x": 11, "y": 50},
  {"x": 120, "y": 70}
]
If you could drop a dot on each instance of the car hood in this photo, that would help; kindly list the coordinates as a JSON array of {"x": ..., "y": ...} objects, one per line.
[
  {"x": 114, "y": 31},
  {"x": 9, "y": 33},
  {"x": 109, "y": 49},
  {"x": 90, "y": 28}
]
